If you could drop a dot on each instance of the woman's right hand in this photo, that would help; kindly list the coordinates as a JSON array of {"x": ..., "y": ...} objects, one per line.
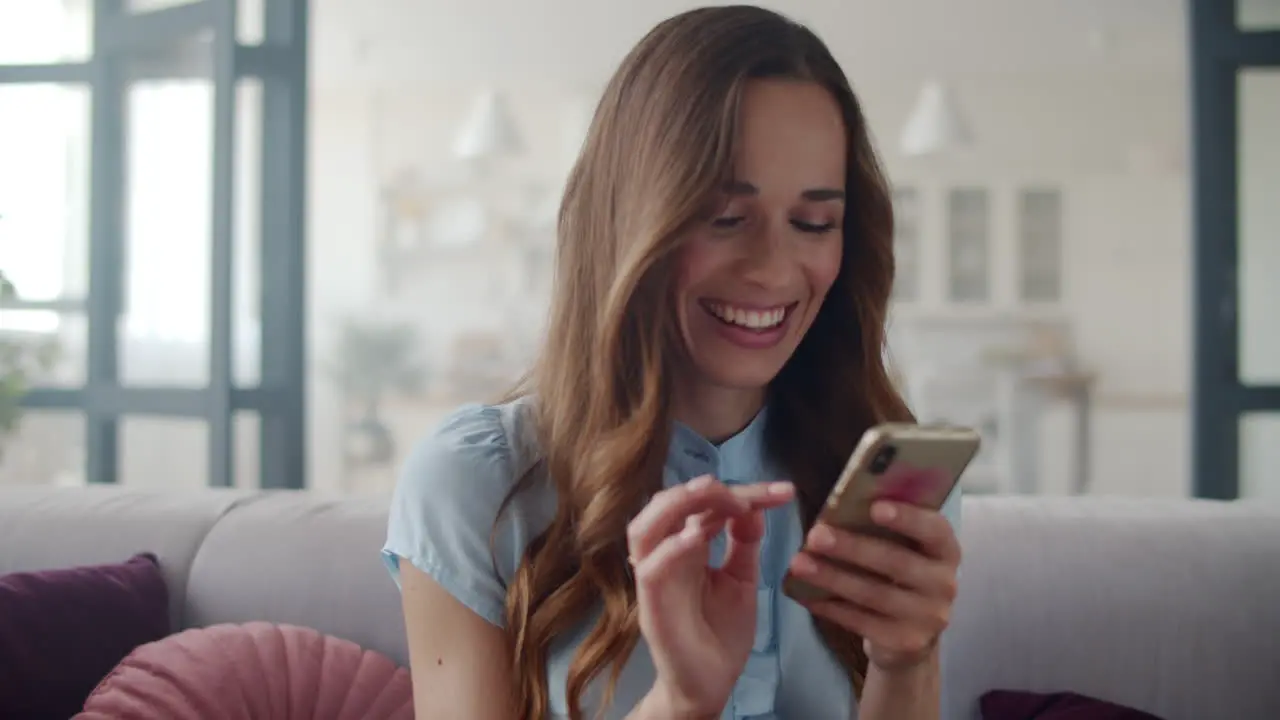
[{"x": 698, "y": 621}]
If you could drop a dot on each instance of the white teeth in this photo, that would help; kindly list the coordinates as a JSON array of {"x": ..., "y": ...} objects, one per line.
[{"x": 753, "y": 319}]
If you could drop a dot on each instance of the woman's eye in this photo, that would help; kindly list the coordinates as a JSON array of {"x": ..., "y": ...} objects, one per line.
[
  {"x": 815, "y": 228},
  {"x": 727, "y": 222}
]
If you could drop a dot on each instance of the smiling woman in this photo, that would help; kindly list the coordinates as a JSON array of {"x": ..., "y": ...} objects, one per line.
[{"x": 612, "y": 540}]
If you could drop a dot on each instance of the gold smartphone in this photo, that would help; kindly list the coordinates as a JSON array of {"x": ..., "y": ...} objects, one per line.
[{"x": 918, "y": 464}]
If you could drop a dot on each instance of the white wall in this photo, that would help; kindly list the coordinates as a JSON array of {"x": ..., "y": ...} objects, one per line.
[{"x": 1113, "y": 143}]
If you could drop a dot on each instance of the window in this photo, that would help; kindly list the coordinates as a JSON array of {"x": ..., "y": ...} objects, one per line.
[
  {"x": 906, "y": 244},
  {"x": 43, "y": 197},
  {"x": 969, "y": 273},
  {"x": 1040, "y": 245},
  {"x": 169, "y": 171},
  {"x": 44, "y": 163},
  {"x": 179, "y": 176},
  {"x": 45, "y": 31}
]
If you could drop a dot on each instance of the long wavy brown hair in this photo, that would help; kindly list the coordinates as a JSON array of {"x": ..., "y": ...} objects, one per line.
[{"x": 660, "y": 145}]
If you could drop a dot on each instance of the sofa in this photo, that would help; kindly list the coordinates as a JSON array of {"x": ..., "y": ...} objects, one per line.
[{"x": 1169, "y": 606}]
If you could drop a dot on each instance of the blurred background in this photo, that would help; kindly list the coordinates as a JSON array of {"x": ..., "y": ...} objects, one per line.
[{"x": 268, "y": 243}]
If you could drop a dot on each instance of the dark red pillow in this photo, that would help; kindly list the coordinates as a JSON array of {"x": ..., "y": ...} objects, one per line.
[
  {"x": 62, "y": 631},
  {"x": 1020, "y": 705}
]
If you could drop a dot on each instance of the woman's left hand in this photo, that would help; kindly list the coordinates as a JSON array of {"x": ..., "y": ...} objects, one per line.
[{"x": 898, "y": 599}]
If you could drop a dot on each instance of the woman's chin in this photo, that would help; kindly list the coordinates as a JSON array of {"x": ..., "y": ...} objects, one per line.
[{"x": 741, "y": 372}]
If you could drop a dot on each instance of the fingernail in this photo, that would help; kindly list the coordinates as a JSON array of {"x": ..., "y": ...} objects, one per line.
[
  {"x": 692, "y": 531},
  {"x": 821, "y": 538},
  {"x": 700, "y": 482},
  {"x": 803, "y": 565},
  {"x": 781, "y": 488},
  {"x": 884, "y": 512}
]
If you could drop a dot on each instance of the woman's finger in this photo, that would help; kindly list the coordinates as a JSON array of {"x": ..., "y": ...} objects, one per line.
[
  {"x": 669, "y": 556},
  {"x": 742, "y": 557},
  {"x": 880, "y": 631},
  {"x": 712, "y": 524},
  {"x": 871, "y": 592},
  {"x": 763, "y": 496},
  {"x": 668, "y": 511},
  {"x": 706, "y": 497},
  {"x": 931, "y": 531},
  {"x": 885, "y": 558},
  {"x": 746, "y": 531},
  {"x": 760, "y": 496}
]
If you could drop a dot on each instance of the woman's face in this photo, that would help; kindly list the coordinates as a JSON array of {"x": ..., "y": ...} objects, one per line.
[{"x": 755, "y": 273}]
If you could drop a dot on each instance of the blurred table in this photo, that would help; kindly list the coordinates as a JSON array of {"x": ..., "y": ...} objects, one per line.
[{"x": 1075, "y": 388}]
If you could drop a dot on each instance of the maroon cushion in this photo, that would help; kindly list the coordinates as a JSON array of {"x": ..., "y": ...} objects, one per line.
[
  {"x": 1020, "y": 705},
  {"x": 254, "y": 670},
  {"x": 61, "y": 631}
]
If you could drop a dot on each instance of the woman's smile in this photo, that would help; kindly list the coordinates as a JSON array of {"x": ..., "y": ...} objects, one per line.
[{"x": 751, "y": 326}]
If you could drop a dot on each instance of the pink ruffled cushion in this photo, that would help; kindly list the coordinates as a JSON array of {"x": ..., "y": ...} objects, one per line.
[{"x": 255, "y": 671}]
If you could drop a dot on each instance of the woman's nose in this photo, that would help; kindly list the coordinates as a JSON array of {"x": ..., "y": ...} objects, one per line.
[{"x": 767, "y": 261}]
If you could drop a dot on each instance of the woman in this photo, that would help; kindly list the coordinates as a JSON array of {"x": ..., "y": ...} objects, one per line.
[{"x": 610, "y": 542}]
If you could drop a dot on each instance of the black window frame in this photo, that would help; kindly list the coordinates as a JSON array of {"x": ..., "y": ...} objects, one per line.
[{"x": 1219, "y": 50}]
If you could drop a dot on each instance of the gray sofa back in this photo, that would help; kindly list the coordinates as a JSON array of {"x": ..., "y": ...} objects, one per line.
[{"x": 1171, "y": 606}]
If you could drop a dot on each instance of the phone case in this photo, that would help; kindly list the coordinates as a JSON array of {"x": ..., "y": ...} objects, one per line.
[{"x": 926, "y": 464}]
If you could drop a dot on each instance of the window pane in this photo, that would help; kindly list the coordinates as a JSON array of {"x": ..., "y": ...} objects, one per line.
[
  {"x": 247, "y": 235},
  {"x": 1258, "y": 155},
  {"x": 48, "y": 356},
  {"x": 164, "y": 331},
  {"x": 1258, "y": 14},
  {"x": 249, "y": 21},
  {"x": 44, "y": 174},
  {"x": 40, "y": 32},
  {"x": 46, "y": 448},
  {"x": 248, "y": 450},
  {"x": 249, "y": 14},
  {"x": 1040, "y": 240},
  {"x": 164, "y": 453},
  {"x": 906, "y": 244},
  {"x": 44, "y": 192},
  {"x": 1260, "y": 455},
  {"x": 147, "y": 5},
  {"x": 969, "y": 272}
]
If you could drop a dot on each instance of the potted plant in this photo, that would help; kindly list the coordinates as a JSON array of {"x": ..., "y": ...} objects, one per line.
[
  {"x": 373, "y": 359},
  {"x": 22, "y": 356}
]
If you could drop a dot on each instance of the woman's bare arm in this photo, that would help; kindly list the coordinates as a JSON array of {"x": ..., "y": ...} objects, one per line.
[
  {"x": 459, "y": 661},
  {"x": 911, "y": 695}
]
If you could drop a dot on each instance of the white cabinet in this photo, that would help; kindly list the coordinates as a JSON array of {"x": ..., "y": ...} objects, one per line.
[
  {"x": 973, "y": 246},
  {"x": 977, "y": 314}
]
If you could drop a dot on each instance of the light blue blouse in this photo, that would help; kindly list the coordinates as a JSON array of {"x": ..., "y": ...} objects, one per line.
[{"x": 444, "y": 508}]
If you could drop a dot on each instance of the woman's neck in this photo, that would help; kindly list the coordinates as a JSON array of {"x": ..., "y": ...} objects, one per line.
[{"x": 717, "y": 413}]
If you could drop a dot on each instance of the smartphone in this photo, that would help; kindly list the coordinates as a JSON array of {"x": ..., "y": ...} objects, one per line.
[{"x": 918, "y": 464}]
